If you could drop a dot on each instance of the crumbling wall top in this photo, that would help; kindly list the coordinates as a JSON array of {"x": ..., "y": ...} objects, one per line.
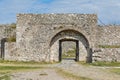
[{"x": 58, "y": 18}]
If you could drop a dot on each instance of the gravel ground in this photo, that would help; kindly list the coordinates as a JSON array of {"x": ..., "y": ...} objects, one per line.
[
  {"x": 95, "y": 73},
  {"x": 44, "y": 74}
]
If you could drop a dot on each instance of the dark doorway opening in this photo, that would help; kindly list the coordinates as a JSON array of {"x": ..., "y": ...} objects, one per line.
[
  {"x": 2, "y": 55},
  {"x": 75, "y": 54}
]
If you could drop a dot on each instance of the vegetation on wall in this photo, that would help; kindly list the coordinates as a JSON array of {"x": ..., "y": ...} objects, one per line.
[
  {"x": 13, "y": 25},
  {"x": 10, "y": 32},
  {"x": 10, "y": 28},
  {"x": 109, "y": 46},
  {"x": 11, "y": 39}
]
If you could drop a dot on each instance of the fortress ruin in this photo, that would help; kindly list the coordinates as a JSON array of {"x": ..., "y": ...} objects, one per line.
[{"x": 39, "y": 37}]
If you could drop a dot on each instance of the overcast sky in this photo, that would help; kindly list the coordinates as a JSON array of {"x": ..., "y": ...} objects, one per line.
[{"x": 108, "y": 11}]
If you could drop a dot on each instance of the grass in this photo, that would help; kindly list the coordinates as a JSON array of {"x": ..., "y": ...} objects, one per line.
[
  {"x": 21, "y": 65},
  {"x": 83, "y": 63},
  {"x": 113, "y": 64},
  {"x": 109, "y": 46},
  {"x": 25, "y": 62},
  {"x": 7, "y": 67},
  {"x": 5, "y": 77},
  {"x": 115, "y": 70},
  {"x": 69, "y": 54},
  {"x": 107, "y": 64},
  {"x": 71, "y": 76},
  {"x": 11, "y": 68},
  {"x": 6, "y": 70}
]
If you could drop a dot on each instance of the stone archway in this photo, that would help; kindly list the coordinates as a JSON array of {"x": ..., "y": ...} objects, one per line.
[{"x": 69, "y": 34}]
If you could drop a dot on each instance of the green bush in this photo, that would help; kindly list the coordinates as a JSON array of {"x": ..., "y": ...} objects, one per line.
[
  {"x": 13, "y": 25},
  {"x": 11, "y": 39}
]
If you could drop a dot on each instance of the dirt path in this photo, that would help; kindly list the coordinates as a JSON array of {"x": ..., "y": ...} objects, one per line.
[
  {"x": 94, "y": 73},
  {"x": 44, "y": 74}
]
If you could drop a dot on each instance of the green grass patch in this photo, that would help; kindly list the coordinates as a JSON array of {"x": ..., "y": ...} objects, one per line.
[
  {"x": 83, "y": 63},
  {"x": 25, "y": 62},
  {"x": 111, "y": 64},
  {"x": 8, "y": 67},
  {"x": 105, "y": 63},
  {"x": 115, "y": 70},
  {"x": 2, "y": 68},
  {"x": 6, "y": 70},
  {"x": 71, "y": 76},
  {"x": 109, "y": 46},
  {"x": 5, "y": 77}
]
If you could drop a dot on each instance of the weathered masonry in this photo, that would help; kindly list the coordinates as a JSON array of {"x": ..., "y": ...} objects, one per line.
[{"x": 39, "y": 37}]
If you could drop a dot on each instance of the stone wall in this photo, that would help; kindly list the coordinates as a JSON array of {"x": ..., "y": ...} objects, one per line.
[
  {"x": 2, "y": 31},
  {"x": 108, "y": 43},
  {"x": 7, "y": 31},
  {"x": 2, "y": 34},
  {"x": 10, "y": 51},
  {"x": 107, "y": 54},
  {"x": 36, "y": 31},
  {"x": 108, "y": 35}
]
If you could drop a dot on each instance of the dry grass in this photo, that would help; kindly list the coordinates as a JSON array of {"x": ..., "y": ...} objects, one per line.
[
  {"x": 115, "y": 70},
  {"x": 70, "y": 76},
  {"x": 104, "y": 64}
]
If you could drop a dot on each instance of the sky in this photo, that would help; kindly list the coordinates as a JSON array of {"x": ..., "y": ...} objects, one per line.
[{"x": 108, "y": 11}]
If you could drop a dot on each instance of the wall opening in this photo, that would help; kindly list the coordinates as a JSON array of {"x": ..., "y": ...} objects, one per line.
[
  {"x": 3, "y": 48},
  {"x": 70, "y": 50}
]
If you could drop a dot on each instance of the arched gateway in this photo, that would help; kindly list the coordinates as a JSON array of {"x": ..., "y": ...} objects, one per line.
[
  {"x": 82, "y": 45},
  {"x": 40, "y": 36}
]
